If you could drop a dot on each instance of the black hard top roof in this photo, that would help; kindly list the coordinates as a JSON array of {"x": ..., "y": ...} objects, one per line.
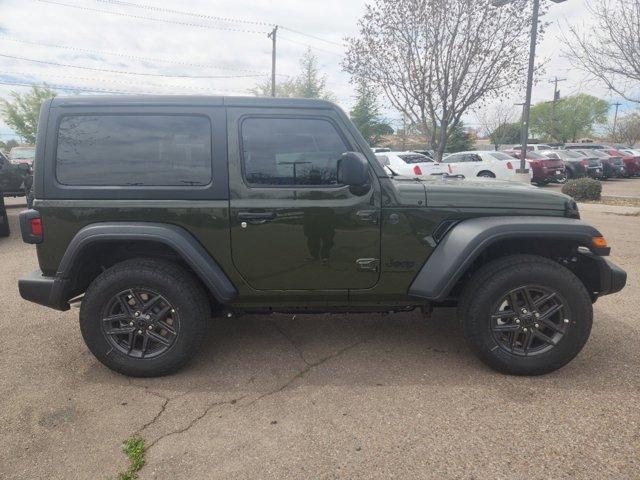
[{"x": 188, "y": 100}]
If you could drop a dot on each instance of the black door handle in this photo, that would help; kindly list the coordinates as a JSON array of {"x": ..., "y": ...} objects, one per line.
[{"x": 256, "y": 217}]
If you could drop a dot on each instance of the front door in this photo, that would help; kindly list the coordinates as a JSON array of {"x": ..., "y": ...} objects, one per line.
[{"x": 293, "y": 227}]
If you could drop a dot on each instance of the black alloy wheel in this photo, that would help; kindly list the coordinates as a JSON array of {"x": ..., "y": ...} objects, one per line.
[
  {"x": 140, "y": 323},
  {"x": 530, "y": 320}
]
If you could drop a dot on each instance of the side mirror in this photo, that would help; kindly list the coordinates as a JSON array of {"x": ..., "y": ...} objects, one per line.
[{"x": 353, "y": 170}]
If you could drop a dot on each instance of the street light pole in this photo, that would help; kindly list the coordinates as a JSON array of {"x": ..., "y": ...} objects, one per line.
[
  {"x": 532, "y": 58},
  {"x": 527, "y": 103}
]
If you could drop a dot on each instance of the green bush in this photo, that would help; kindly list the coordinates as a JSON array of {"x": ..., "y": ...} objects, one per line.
[{"x": 583, "y": 189}]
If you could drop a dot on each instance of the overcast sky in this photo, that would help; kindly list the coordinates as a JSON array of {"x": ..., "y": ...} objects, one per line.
[{"x": 166, "y": 46}]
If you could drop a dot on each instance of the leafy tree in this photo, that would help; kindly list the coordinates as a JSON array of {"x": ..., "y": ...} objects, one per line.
[
  {"x": 505, "y": 133},
  {"x": 23, "y": 111},
  {"x": 574, "y": 117},
  {"x": 8, "y": 145},
  {"x": 309, "y": 83},
  {"x": 366, "y": 115},
  {"x": 459, "y": 139}
]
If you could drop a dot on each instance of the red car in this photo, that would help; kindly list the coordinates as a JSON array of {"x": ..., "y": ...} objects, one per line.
[
  {"x": 545, "y": 170},
  {"x": 630, "y": 161}
]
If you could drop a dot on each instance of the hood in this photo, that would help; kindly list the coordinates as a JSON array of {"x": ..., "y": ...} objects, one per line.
[{"x": 450, "y": 192}]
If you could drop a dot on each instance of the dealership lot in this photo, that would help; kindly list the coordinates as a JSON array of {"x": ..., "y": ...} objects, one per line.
[{"x": 324, "y": 396}]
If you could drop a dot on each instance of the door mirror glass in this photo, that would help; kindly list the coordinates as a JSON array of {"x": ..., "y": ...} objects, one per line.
[{"x": 353, "y": 170}]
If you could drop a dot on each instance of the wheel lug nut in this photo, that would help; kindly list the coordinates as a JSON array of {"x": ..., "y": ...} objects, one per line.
[
  {"x": 566, "y": 320},
  {"x": 524, "y": 329},
  {"x": 139, "y": 332},
  {"x": 518, "y": 321},
  {"x": 137, "y": 314},
  {"x": 150, "y": 327},
  {"x": 131, "y": 324},
  {"x": 537, "y": 315},
  {"x": 537, "y": 326}
]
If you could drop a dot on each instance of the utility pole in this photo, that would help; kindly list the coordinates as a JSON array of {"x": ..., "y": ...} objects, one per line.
[
  {"x": 556, "y": 99},
  {"x": 615, "y": 120},
  {"x": 273, "y": 36}
]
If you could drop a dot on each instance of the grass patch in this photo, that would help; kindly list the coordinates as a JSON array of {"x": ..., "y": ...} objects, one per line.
[{"x": 134, "y": 449}]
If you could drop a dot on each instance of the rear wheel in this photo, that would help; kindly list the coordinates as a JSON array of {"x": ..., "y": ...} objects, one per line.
[
  {"x": 144, "y": 318},
  {"x": 525, "y": 315}
]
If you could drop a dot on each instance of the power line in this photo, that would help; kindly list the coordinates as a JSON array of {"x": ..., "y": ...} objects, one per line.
[
  {"x": 122, "y": 72},
  {"x": 308, "y": 45},
  {"x": 133, "y": 57},
  {"x": 182, "y": 12},
  {"x": 212, "y": 17},
  {"x": 172, "y": 87},
  {"x": 313, "y": 36},
  {"x": 140, "y": 17},
  {"x": 92, "y": 89}
]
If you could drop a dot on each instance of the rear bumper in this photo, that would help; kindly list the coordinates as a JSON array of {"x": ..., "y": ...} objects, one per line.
[{"x": 47, "y": 291}]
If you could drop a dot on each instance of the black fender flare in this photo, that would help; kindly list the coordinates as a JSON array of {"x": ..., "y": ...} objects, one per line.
[
  {"x": 464, "y": 242},
  {"x": 177, "y": 238}
]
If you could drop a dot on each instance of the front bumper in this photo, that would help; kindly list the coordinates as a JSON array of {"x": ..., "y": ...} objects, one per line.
[
  {"x": 601, "y": 277},
  {"x": 47, "y": 291}
]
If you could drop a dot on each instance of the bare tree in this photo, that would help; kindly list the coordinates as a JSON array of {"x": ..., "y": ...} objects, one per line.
[
  {"x": 436, "y": 58},
  {"x": 627, "y": 129},
  {"x": 493, "y": 120},
  {"x": 609, "y": 50}
]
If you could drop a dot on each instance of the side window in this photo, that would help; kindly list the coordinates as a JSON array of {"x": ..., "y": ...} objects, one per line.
[
  {"x": 290, "y": 151},
  {"x": 384, "y": 160},
  {"x": 472, "y": 158},
  {"x": 134, "y": 150},
  {"x": 452, "y": 159}
]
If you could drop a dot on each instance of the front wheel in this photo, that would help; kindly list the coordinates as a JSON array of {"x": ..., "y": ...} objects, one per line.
[
  {"x": 144, "y": 318},
  {"x": 525, "y": 315}
]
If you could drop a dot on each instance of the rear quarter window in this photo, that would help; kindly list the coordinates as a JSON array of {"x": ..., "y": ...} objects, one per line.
[{"x": 134, "y": 150}]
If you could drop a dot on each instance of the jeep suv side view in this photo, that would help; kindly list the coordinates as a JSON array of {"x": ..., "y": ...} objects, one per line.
[{"x": 157, "y": 213}]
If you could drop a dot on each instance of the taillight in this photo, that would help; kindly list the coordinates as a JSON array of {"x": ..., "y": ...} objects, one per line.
[
  {"x": 31, "y": 226},
  {"x": 585, "y": 162},
  {"x": 36, "y": 227},
  {"x": 450, "y": 169},
  {"x": 509, "y": 165},
  {"x": 417, "y": 170}
]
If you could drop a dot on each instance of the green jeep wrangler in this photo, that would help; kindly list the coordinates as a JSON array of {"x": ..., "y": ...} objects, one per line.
[{"x": 157, "y": 213}]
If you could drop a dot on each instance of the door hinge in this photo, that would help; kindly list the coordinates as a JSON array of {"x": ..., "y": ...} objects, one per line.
[{"x": 368, "y": 264}]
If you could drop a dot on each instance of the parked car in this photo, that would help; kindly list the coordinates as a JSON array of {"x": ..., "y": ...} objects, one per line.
[
  {"x": 296, "y": 216},
  {"x": 584, "y": 146},
  {"x": 631, "y": 161},
  {"x": 545, "y": 170},
  {"x": 22, "y": 155},
  {"x": 410, "y": 164},
  {"x": 573, "y": 162},
  {"x": 426, "y": 153},
  {"x": 15, "y": 179},
  {"x": 613, "y": 167},
  {"x": 477, "y": 163},
  {"x": 534, "y": 147},
  {"x": 593, "y": 164}
]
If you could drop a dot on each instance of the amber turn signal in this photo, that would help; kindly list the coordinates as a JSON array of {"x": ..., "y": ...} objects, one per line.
[{"x": 599, "y": 242}]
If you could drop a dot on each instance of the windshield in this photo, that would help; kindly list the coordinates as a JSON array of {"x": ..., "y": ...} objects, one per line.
[
  {"x": 415, "y": 158},
  {"x": 571, "y": 154},
  {"x": 23, "y": 153},
  {"x": 536, "y": 156},
  {"x": 501, "y": 156},
  {"x": 599, "y": 154}
]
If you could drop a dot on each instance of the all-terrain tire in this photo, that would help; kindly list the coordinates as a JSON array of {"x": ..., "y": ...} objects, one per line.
[
  {"x": 4, "y": 219},
  {"x": 493, "y": 281},
  {"x": 180, "y": 289}
]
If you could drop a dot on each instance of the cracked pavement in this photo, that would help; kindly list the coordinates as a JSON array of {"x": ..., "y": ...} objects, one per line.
[{"x": 321, "y": 396}]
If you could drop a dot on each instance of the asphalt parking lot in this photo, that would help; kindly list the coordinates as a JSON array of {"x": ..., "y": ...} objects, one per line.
[{"x": 322, "y": 396}]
